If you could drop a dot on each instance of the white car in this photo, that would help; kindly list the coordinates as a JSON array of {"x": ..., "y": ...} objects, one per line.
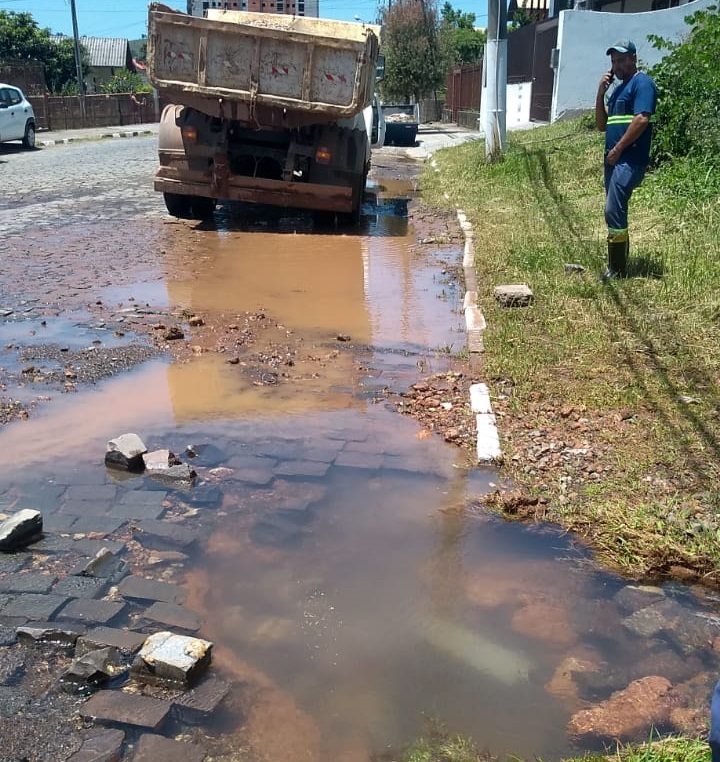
[{"x": 17, "y": 118}]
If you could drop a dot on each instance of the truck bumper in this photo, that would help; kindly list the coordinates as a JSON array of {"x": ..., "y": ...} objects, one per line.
[{"x": 331, "y": 198}]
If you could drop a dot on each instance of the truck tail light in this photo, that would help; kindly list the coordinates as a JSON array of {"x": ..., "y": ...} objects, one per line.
[
  {"x": 323, "y": 155},
  {"x": 189, "y": 133}
]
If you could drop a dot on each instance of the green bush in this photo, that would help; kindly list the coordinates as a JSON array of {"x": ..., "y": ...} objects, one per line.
[{"x": 125, "y": 81}]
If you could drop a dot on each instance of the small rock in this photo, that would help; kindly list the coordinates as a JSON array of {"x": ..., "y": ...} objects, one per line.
[
  {"x": 20, "y": 529},
  {"x": 196, "y": 321},
  {"x": 514, "y": 295},
  {"x": 173, "y": 333},
  {"x": 169, "y": 659},
  {"x": 125, "y": 452},
  {"x": 160, "y": 460},
  {"x": 573, "y": 267}
]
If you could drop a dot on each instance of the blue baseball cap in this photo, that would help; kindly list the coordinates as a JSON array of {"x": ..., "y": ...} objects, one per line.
[{"x": 622, "y": 46}]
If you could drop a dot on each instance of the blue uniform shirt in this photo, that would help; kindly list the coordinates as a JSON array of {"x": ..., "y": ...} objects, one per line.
[{"x": 636, "y": 95}]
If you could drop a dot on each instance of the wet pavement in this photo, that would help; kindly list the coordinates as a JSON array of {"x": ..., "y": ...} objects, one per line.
[{"x": 336, "y": 553}]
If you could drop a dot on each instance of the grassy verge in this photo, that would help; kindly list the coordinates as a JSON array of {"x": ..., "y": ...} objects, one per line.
[
  {"x": 439, "y": 746},
  {"x": 606, "y": 394}
]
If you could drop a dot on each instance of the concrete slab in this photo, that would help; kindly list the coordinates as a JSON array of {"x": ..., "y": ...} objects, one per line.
[{"x": 173, "y": 660}]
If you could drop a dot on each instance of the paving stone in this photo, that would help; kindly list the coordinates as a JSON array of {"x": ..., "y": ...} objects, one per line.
[
  {"x": 140, "y": 588},
  {"x": 27, "y": 582},
  {"x": 207, "y": 455},
  {"x": 363, "y": 460},
  {"x": 103, "y": 565},
  {"x": 101, "y": 524},
  {"x": 172, "y": 615},
  {"x": 12, "y": 562},
  {"x": 126, "y": 641},
  {"x": 58, "y": 522},
  {"x": 251, "y": 461},
  {"x": 86, "y": 610},
  {"x": 32, "y": 606},
  {"x": 54, "y": 543},
  {"x": 91, "y": 547},
  {"x": 195, "y": 705},
  {"x": 118, "y": 708},
  {"x": 163, "y": 535},
  {"x": 153, "y": 748},
  {"x": 138, "y": 510},
  {"x": 42, "y": 490},
  {"x": 315, "y": 469},
  {"x": 257, "y": 477},
  {"x": 168, "y": 659},
  {"x": 279, "y": 448},
  {"x": 99, "y": 492},
  {"x": 206, "y": 497},
  {"x": 369, "y": 446},
  {"x": 143, "y": 497},
  {"x": 7, "y": 636},
  {"x": 81, "y": 587},
  {"x": 50, "y": 632},
  {"x": 276, "y": 531},
  {"x": 323, "y": 454},
  {"x": 105, "y": 746},
  {"x": 85, "y": 508}
]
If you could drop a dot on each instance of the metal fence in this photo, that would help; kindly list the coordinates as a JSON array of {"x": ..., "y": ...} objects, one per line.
[{"x": 463, "y": 93}]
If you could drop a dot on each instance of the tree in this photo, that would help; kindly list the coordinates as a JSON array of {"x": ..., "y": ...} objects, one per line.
[
  {"x": 22, "y": 39},
  {"x": 125, "y": 81},
  {"x": 462, "y": 42},
  {"x": 414, "y": 62}
]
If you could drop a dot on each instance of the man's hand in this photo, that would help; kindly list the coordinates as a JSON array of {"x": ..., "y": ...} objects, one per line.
[
  {"x": 605, "y": 81},
  {"x": 613, "y": 156}
]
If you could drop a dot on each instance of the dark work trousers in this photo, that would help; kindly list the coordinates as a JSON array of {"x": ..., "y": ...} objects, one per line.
[
  {"x": 715, "y": 724},
  {"x": 620, "y": 181}
]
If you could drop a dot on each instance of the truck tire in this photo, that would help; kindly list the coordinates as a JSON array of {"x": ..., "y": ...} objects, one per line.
[
  {"x": 29, "y": 138},
  {"x": 202, "y": 207},
  {"x": 178, "y": 205}
]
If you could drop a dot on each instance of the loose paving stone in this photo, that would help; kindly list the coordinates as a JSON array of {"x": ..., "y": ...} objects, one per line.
[
  {"x": 42, "y": 491},
  {"x": 81, "y": 587},
  {"x": 356, "y": 459},
  {"x": 33, "y": 607},
  {"x": 257, "y": 477},
  {"x": 153, "y": 748},
  {"x": 163, "y": 535},
  {"x": 27, "y": 582},
  {"x": 143, "y": 589},
  {"x": 125, "y": 453},
  {"x": 93, "y": 668},
  {"x": 251, "y": 462},
  {"x": 173, "y": 616},
  {"x": 323, "y": 454},
  {"x": 105, "y": 746},
  {"x": 101, "y": 493},
  {"x": 97, "y": 524},
  {"x": 118, "y": 708},
  {"x": 85, "y": 610},
  {"x": 140, "y": 505},
  {"x": 21, "y": 529},
  {"x": 103, "y": 565},
  {"x": 126, "y": 641},
  {"x": 182, "y": 475},
  {"x": 314, "y": 469},
  {"x": 169, "y": 659},
  {"x": 50, "y": 632},
  {"x": 196, "y": 704}
]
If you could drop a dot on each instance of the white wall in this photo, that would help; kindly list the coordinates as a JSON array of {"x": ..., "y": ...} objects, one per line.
[
  {"x": 584, "y": 36},
  {"x": 517, "y": 106}
]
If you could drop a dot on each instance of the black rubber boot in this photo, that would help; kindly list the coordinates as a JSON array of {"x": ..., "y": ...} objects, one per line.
[{"x": 617, "y": 258}]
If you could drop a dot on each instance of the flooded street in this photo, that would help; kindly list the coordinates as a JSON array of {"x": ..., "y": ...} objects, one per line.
[{"x": 344, "y": 567}]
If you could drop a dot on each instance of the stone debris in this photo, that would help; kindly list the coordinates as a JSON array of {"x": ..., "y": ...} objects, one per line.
[
  {"x": 518, "y": 295},
  {"x": 160, "y": 460},
  {"x": 20, "y": 530},
  {"x": 103, "y": 565},
  {"x": 125, "y": 452},
  {"x": 93, "y": 668},
  {"x": 50, "y": 632},
  {"x": 174, "y": 660},
  {"x": 182, "y": 474}
]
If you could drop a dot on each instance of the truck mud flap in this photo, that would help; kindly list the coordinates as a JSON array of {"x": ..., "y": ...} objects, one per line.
[{"x": 332, "y": 198}]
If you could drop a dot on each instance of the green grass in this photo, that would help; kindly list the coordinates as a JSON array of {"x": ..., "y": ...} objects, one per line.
[{"x": 649, "y": 344}]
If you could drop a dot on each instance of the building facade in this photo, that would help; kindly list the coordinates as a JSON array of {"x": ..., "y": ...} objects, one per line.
[{"x": 292, "y": 7}]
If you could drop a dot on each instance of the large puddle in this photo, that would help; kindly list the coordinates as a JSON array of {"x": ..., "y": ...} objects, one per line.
[{"x": 344, "y": 560}]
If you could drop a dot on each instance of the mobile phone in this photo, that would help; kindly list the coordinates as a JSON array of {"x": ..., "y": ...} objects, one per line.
[{"x": 611, "y": 77}]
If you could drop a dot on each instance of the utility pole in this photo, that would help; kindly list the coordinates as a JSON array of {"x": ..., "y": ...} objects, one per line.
[
  {"x": 496, "y": 79},
  {"x": 78, "y": 60}
]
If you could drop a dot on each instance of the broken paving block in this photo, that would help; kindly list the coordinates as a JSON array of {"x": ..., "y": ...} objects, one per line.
[
  {"x": 125, "y": 452},
  {"x": 160, "y": 460},
  {"x": 105, "y": 746},
  {"x": 93, "y": 668},
  {"x": 20, "y": 529},
  {"x": 514, "y": 295},
  {"x": 50, "y": 632},
  {"x": 174, "y": 660}
]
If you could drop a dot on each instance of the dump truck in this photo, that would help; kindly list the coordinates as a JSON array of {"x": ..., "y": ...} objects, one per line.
[{"x": 263, "y": 108}]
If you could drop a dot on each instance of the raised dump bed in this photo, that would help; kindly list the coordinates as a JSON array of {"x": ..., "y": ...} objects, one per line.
[{"x": 237, "y": 64}]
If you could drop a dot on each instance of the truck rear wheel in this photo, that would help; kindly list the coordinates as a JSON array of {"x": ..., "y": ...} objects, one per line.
[
  {"x": 202, "y": 207},
  {"x": 178, "y": 205}
]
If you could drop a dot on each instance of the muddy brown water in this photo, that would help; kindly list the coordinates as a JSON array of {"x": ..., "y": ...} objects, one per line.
[{"x": 345, "y": 571}]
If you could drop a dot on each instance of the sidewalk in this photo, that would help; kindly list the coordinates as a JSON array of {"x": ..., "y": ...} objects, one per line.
[{"x": 55, "y": 137}]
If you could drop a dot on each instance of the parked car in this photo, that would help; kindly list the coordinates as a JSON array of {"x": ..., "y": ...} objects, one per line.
[
  {"x": 401, "y": 124},
  {"x": 17, "y": 118}
]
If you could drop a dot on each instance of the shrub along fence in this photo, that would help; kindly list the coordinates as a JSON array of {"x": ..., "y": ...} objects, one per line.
[{"x": 58, "y": 112}]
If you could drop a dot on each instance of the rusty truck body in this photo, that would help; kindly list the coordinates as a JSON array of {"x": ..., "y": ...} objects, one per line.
[{"x": 265, "y": 108}]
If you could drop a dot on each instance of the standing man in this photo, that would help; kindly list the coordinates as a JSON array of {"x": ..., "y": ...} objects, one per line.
[{"x": 625, "y": 119}]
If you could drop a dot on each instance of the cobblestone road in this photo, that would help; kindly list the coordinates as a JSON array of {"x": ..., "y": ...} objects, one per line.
[{"x": 81, "y": 182}]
